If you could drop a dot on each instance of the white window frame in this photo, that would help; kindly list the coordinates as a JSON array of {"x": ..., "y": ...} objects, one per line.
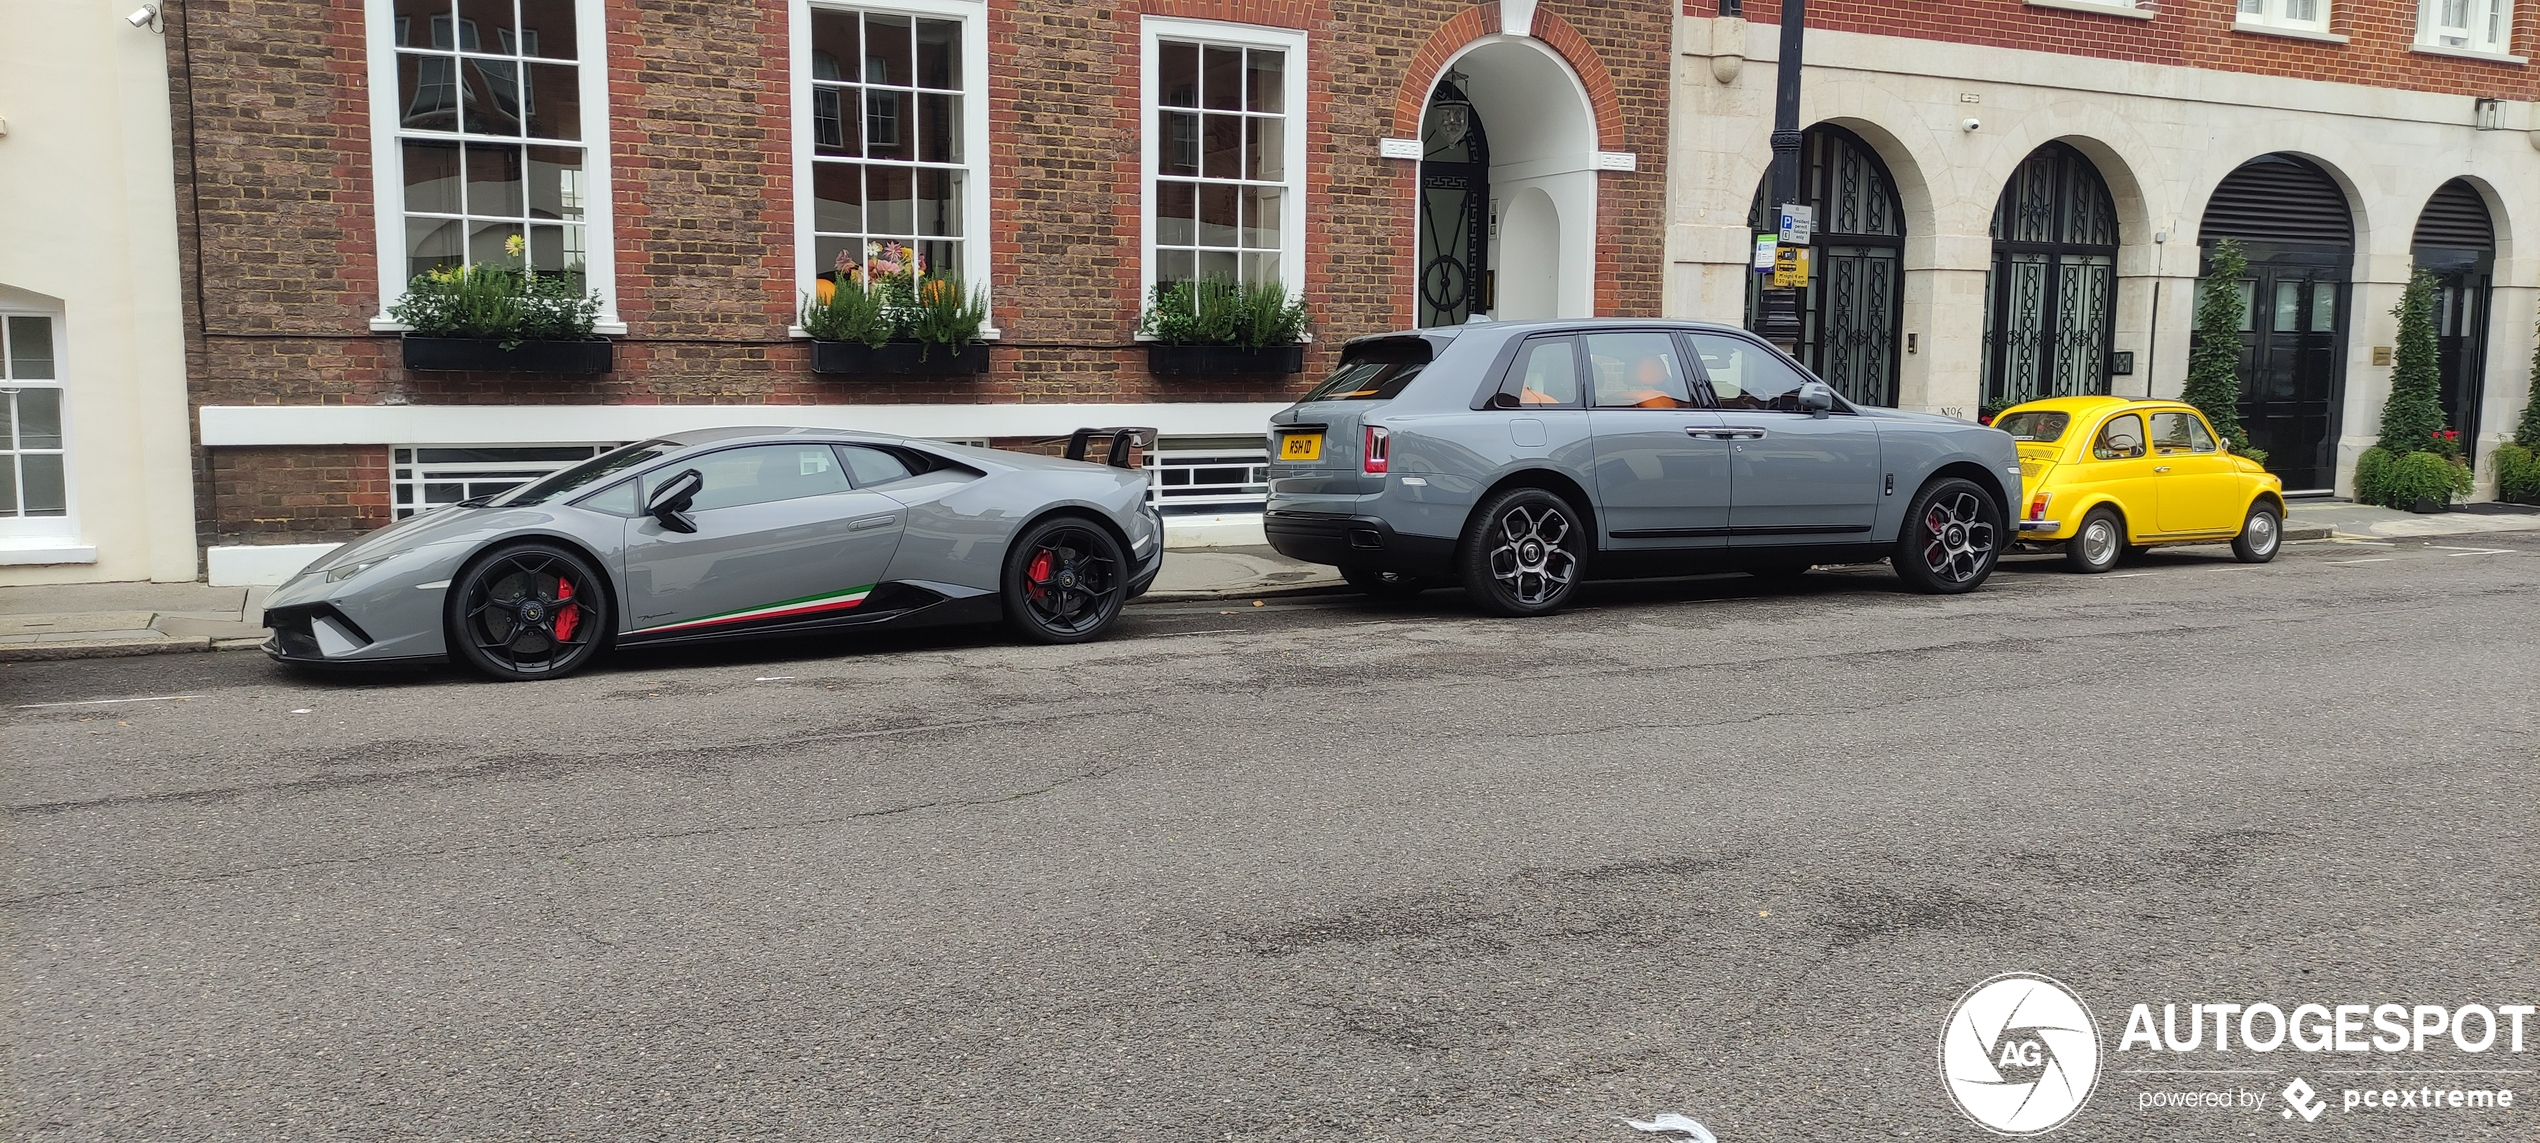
[
  {"x": 1153, "y": 30},
  {"x": 388, "y": 204},
  {"x": 2480, "y": 16},
  {"x": 66, "y": 525},
  {"x": 977, "y": 239},
  {"x": 2272, "y": 15}
]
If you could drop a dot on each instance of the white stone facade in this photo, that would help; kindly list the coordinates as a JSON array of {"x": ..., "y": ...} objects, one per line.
[
  {"x": 88, "y": 247},
  {"x": 2162, "y": 136}
]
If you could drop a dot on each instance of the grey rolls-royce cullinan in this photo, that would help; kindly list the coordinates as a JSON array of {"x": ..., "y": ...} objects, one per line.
[
  {"x": 727, "y": 533},
  {"x": 1518, "y": 459}
]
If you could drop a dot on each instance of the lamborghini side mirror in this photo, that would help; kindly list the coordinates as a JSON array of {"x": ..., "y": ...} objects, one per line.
[{"x": 670, "y": 502}]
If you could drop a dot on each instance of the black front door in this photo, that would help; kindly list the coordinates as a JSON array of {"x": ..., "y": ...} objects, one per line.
[
  {"x": 2461, "y": 281},
  {"x": 2292, "y": 343}
]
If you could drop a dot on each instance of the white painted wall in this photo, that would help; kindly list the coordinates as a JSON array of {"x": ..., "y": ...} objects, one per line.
[
  {"x": 1530, "y": 257},
  {"x": 1542, "y": 139},
  {"x": 2162, "y": 136},
  {"x": 88, "y": 229}
]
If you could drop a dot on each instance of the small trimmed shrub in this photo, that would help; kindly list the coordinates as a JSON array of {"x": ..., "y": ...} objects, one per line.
[
  {"x": 2372, "y": 475},
  {"x": 2412, "y": 419},
  {"x": 2213, "y": 360},
  {"x": 1214, "y": 311},
  {"x": 2517, "y": 473},
  {"x": 2423, "y": 476}
]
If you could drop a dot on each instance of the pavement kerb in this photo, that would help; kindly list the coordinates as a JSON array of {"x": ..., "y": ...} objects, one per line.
[
  {"x": 112, "y": 648},
  {"x": 1243, "y": 593}
]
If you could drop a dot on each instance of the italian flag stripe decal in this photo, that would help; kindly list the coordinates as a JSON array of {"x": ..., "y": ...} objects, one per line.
[{"x": 807, "y": 605}]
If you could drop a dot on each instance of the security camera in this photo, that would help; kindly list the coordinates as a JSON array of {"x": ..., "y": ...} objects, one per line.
[
  {"x": 1972, "y": 124},
  {"x": 142, "y": 16}
]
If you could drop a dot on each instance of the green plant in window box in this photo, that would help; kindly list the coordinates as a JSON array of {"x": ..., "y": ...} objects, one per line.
[
  {"x": 1215, "y": 311},
  {"x": 506, "y": 304},
  {"x": 866, "y": 315}
]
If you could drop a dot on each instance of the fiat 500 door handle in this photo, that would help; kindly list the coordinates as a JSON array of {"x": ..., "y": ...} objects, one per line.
[
  {"x": 871, "y": 522},
  {"x": 2162, "y": 468}
]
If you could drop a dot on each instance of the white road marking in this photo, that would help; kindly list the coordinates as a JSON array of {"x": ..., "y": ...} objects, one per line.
[
  {"x": 2371, "y": 560},
  {"x": 774, "y": 679},
  {"x": 108, "y": 702},
  {"x": 302, "y": 710},
  {"x": 2471, "y": 551},
  {"x": 2132, "y": 575}
]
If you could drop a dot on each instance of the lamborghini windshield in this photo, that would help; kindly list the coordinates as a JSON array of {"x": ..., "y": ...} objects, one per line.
[{"x": 583, "y": 475}]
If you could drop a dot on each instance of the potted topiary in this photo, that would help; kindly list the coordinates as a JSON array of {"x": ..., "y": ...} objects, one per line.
[
  {"x": 2416, "y": 465},
  {"x": 1213, "y": 327},
  {"x": 888, "y": 316},
  {"x": 501, "y": 319}
]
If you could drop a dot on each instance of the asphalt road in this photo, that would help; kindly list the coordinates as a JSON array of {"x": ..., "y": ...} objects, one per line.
[{"x": 1315, "y": 870}]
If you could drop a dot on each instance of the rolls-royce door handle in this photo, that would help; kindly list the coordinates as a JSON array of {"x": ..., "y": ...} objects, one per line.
[
  {"x": 1720, "y": 434},
  {"x": 872, "y": 522}
]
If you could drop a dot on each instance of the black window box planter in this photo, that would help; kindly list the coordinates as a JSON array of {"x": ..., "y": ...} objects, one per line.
[
  {"x": 483, "y": 355},
  {"x": 899, "y": 359},
  {"x": 1219, "y": 360}
]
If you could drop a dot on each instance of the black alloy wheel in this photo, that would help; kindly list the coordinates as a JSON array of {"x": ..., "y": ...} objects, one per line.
[
  {"x": 1951, "y": 539},
  {"x": 1521, "y": 554},
  {"x": 1065, "y": 581},
  {"x": 528, "y": 611},
  {"x": 2261, "y": 535},
  {"x": 1376, "y": 584}
]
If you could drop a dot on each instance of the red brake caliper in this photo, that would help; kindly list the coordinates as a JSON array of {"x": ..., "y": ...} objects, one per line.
[
  {"x": 1037, "y": 574},
  {"x": 569, "y": 615}
]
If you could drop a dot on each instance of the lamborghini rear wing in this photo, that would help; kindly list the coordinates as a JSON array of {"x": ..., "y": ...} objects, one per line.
[{"x": 1121, "y": 451}]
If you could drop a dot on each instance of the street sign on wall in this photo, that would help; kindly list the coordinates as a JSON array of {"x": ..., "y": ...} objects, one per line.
[{"x": 1798, "y": 224}]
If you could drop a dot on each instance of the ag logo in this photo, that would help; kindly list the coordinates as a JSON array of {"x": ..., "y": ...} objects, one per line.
[{"x": 2020, "y": 1054}]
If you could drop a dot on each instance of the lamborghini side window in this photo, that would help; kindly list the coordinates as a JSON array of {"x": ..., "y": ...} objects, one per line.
[
  {"x": 871, "y": 466},
  {"x": 617, "y": 500},
  {"x": 759, "y": 474}
]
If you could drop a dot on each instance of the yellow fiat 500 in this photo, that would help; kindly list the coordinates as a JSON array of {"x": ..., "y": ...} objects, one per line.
[{"x": 2103, "y": 476}]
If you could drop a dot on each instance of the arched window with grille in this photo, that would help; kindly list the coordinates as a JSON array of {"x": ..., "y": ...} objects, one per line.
[
  {"x": 1852, "y": 310},
  {"x": 2052, "y": 291}
]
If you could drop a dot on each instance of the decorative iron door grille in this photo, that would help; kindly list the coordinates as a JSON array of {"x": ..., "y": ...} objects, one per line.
[
  {"x": 2051, "y": 321},
  {"x": 1853, "y": 309},
  {"x": 1454, "y": 241}
]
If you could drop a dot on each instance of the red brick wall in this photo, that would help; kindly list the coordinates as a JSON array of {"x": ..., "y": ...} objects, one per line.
[
  {"x": 297, "y": 495},
  {"x": 276, "y": 211},
  {"x": 2191, "y": 33}
]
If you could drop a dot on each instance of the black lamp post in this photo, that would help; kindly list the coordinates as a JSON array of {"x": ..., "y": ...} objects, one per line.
[{"x": 1777, "y": 316}]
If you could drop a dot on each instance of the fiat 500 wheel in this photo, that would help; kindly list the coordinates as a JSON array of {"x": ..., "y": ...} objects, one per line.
[
  {"x": 1951, "y": 538},
  {"x": 1521, "y": 554},
  {"x": 2261, "y": 535},
  {"x": 1384, "y": 584},
  {"x": 529, "y": 611},
  {"x": 1065, "y": 580},
  {"x": 2097, "y": 544}
]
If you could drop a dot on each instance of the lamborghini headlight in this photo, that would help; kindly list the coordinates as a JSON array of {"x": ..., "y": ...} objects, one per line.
[{"x": 348, "y": 571}]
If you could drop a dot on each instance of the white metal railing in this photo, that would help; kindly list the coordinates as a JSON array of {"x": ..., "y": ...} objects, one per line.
[
  {"x": 425, "y": 477},
  {"x": 1208, "y": 480}
]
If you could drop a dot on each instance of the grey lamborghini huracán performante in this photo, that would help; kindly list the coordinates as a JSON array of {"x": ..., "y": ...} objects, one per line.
[
  {"x": 727, "y": 533},
  {"x": 1517, "y": 459}
]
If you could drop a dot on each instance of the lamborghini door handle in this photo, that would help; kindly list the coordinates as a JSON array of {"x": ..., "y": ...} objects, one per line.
[{"x": 872, "y": 522}]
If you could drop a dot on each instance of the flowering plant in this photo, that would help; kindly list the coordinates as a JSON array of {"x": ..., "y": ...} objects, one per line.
[
  {"x": 890, "y": 294},
  {"x": 509, "y": 303}
]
